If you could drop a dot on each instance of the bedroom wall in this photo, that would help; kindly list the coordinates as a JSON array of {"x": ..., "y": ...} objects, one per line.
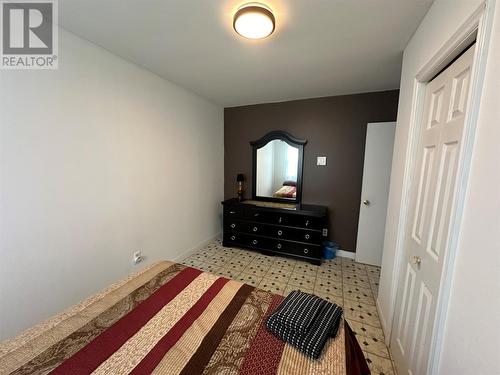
[
  {"x": 334, "y": 127},
  {"x": 472, "y": 337},
  {"x": 98, "y": 159}
]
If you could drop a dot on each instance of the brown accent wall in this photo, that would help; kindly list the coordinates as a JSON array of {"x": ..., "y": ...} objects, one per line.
[{"x": 334, "y": 127}]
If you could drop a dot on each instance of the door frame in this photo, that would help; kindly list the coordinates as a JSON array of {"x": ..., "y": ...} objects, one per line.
[{"x": 478, "y": 26}]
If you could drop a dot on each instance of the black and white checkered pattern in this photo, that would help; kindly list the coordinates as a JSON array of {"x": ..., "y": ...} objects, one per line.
[
  {"x": 298, "y": 310},
  {"x": 325, "y": 324}
]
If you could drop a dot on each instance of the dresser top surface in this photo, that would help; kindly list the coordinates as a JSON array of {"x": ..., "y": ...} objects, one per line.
[{"x": 299, "y": 209}]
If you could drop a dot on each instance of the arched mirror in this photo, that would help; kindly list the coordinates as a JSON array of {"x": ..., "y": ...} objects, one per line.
[{"x": 277, "y": 167}]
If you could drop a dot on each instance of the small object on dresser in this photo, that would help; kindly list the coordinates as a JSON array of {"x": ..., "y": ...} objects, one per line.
[{"x": 240, "y": 178}]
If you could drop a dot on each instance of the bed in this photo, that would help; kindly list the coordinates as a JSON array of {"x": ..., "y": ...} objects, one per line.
[
  {"x": 288, "y": 190},
  {"x": 171, "y": 319}
]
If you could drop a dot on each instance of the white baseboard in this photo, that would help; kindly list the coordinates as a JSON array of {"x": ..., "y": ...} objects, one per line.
[
  {"x": 345, "y": 254},
  {"x": 194, "y": 249}
]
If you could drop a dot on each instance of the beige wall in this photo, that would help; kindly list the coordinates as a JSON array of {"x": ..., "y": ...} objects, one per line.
[
  {"x": 98, "y": 159},
  {"x": 471, "y": 343}
]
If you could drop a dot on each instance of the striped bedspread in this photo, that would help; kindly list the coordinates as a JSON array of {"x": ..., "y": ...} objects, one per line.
[{"x": 168, "y": 319}]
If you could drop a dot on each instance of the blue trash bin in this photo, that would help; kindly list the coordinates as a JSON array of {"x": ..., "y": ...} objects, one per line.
[{"x": 330, "y": 249}]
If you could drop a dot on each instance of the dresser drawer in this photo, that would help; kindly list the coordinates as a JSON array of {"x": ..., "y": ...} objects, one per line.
[
  {"x": 295, "y": 248},
  {"x": 243, "y": 226},
  {"x": 286, "y": 233},
  {"x": 291, "y": 220},
  {"x": 246, "y": 239}
]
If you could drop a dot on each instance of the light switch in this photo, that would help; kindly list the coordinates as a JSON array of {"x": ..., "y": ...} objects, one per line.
[{"x": 321, "y": 160}]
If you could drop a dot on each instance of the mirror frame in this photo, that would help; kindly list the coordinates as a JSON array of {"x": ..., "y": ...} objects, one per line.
[{"x": 292, "y": 141}]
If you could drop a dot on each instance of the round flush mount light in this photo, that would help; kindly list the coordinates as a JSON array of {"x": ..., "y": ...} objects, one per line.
[{"x": 254, "y": 21}]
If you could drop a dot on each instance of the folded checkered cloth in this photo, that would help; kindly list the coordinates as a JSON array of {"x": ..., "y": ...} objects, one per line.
[
  {"x": 298, "y": 310},
  {"x": 325, "y": 324}
]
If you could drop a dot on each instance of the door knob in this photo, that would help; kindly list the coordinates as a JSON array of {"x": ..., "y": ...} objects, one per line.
[
  {"x": 416, "y": 260},
  {"x": 366, "y": 202}
]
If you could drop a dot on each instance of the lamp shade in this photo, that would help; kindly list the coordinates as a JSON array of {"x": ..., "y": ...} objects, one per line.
[{"x": 240, "y": 177}]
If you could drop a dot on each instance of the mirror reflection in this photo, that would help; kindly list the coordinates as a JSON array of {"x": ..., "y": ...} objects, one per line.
[{"x": 277, "y": 167}]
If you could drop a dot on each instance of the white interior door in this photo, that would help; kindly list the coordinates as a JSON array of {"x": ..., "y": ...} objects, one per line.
[
  {"x": 431, "y": 203},
  {"x": 375, "y": 192}
]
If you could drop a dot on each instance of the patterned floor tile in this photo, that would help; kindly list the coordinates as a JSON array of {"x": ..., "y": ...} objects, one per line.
[
  {"x": 354, "y": 268},
  {"x": 363, "y": 317},
  {"x": 240, "y": 260},
  {"x": 284, "y": 263},
  {"x": 372, "y": 345},
  {"x": 272, "y": 286},
  {"x": 278, "y": 275},
  {"x": 354, "y": 279},
  {"x": 330, "y": 297},
  {"x": 304, "y": 281},
  {"x": 332, "y": 263},
  {"x": 216, "y": 261},
  {"x": 366, "y": 330},
  {"x": 258, "y": 270},
  {"x": 354, "y": 289},
  {"x": 328, "y": 287},
  {"x": 263, "y": 260},
  {"x": 379, "y": 365},
  {"x": 237, "y": 267},
  {"x": 331, "y": 274},
  {"x": 207, "y": 267},
  {"x": 373, "y": 274},
  {"x": 245, "y": 258},
  {"x": 374, "y": 284},
  {"x": 361, "y": 306},
  {"x": 290, "y": 288},
  {"x": 228, "y": 272},
  {"x": 192, "y": 262},
  {"x": 249, "y": 279},
  {"x": 355, "y": 296}
]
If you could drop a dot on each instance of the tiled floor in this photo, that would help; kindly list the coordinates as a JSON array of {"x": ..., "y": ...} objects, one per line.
[{"x": 343, "y": 281}]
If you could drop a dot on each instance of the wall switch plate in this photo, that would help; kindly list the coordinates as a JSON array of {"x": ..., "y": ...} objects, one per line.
[
  {"x": 321, "y": 160},
  {"x": 137, "y": 257}
]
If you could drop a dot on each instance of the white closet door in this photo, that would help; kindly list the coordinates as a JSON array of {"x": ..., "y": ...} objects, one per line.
[{"x": 431, "y": 204}]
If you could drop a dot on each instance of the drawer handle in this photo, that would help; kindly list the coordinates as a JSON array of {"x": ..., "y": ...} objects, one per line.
[
  {"x": 255, "y": 215},
  {"x": 232, "y": 212},
  {"x": 255, "y": 242},
  {"x": 280, "y": 220},
  {"x": 306, "y": 250},
  {"x": 280, "y": 233},
  {"x": 307, "y": 223},
  {"x": 233, "y": 238},
  {"x": 254, "y": 229},
  {"x": 307, "y": 236},
  {"x": 233, "y": 225},
  {"x": 279, "y": 246}
]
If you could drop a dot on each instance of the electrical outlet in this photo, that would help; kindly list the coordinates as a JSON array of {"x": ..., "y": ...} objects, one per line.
[
  {"x": 137, "y": 256},
  {"x": 321, "y": 160},
  {"x": 324, "y": 232}
]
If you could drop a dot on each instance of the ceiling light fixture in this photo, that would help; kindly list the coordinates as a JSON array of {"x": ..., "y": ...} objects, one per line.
[{"x": 254, "y": 21}]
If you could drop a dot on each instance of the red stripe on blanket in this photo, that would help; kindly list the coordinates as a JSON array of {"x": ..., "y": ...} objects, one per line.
[
  {"x": 264, "y": 355},
  {"x": 103, "y": 346},
  {"x": 155, "y": 355}
]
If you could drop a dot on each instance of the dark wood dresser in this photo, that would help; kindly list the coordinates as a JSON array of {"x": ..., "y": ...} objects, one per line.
[{"x": 294, "y": 232}]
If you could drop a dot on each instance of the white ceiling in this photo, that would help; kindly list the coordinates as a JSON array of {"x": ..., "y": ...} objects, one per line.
[{"x": 319, "y": 48}]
